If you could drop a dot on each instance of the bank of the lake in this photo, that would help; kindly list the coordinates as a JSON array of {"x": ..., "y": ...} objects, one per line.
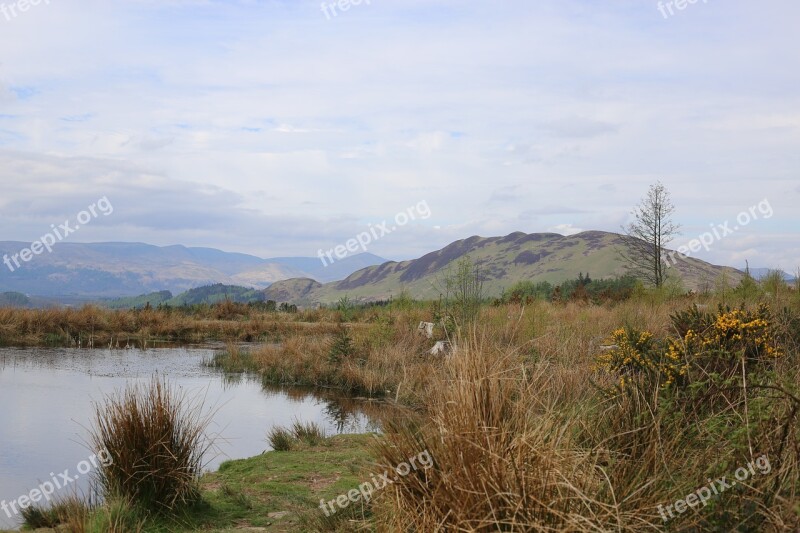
[
  {"x": 278, "y": 491},
  {"x": 48, "y": 397}
]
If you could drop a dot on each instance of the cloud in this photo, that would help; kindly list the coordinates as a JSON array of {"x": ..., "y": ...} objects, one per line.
[
  {"x": 505, "y": 194},
  {"x": 551, "y": 210},
  {"x": 576, "y": 127},
  {"x": 260, "y": 126},
  {"x": 564, "y": 229}
]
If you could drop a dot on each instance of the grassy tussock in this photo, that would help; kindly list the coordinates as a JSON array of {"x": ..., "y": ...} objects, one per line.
[
  {"x": 155, "y": 444},
  {"x": 505, "y": 454},
  {"x": 309, "y": 432},
  {"x": 280, "y": 439},
  {"x": 72, "y": 511},
  {"x": 285, "y": 439}
]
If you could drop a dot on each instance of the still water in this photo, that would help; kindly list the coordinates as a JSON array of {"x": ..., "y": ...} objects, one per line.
[{"x": 47, "y": 399}]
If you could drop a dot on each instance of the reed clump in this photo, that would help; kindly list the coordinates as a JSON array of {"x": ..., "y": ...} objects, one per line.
[
  {"x": 155, "y": 443},
  {"x": 280, "y": 439}
]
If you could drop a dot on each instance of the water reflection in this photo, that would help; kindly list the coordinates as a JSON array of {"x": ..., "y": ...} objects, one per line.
[{"x": 47, "y": 400}]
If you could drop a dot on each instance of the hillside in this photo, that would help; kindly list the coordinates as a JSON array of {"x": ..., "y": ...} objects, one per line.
[
  {"x": 208, "y": 294},
  {"x": 504, "y": 260},
  {"x": 298, "y": 291}
]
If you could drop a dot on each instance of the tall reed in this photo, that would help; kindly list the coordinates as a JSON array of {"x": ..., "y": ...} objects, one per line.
[{"x": 155, "y": 442}]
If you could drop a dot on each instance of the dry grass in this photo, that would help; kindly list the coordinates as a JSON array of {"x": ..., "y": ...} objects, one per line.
[
  {"x": 525, "y": 432},
  {"x": 506, "y": 452},
  {"x": 154, "y": 444},
  {"x": 92, "y": 326},
  {"x": 524, "y": 438}
]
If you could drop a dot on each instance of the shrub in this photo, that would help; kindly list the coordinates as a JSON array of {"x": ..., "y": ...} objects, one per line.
[
  {"x": 342, "y": 346},
  {"x": 726, "y": 405},
  {"x": 155, "y": 441},
  {"x": 637, "y": 355},
  {"x": 310, "y": 432},
  {"x": 280, "y": 439},
  {"x": 71, "y": 512},
  {"x": 706, "y": 349}
]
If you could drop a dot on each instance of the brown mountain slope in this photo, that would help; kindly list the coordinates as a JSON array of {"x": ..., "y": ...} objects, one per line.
[{"x": 293, "y": 290}]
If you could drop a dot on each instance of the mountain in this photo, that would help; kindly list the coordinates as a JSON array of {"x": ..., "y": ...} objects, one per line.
[
  {"x": 265, "y": 275},
  {"x": 761, "y": 273},
  {"x": 503, "y": 260},
  {"x": 14, "y": 299},
  {"x": 292, "y": 290},
  {"x": 115, "y": 269}
]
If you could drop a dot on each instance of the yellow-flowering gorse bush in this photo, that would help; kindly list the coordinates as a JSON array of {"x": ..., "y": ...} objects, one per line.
[
  {"x": 705, "y": 345},
  {"x": 636, "y": 354}
]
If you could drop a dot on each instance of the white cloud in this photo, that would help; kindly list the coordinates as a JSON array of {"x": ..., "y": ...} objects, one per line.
[
  {"x": 273, "y": 122},
  {"x": 564, "y": 229}
]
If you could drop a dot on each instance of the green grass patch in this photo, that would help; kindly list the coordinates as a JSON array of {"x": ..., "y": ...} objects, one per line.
[{"x": 281, "y": 491}]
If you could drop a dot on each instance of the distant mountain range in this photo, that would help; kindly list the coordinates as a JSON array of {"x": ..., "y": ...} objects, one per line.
[
  {"x": 113, "y": 270},
  {"x": 101, "y": 270},
  {"x": 503, "y": 260}
]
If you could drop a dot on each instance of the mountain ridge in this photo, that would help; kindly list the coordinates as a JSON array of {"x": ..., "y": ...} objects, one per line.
[
  {"x": 119, "y": 269},
  {"x": 503, "y": 260}
]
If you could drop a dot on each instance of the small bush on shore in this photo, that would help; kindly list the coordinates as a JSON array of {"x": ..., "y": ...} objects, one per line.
[
  {"x": 280, "y": 439},
  {"x": 155, "y": 442}
]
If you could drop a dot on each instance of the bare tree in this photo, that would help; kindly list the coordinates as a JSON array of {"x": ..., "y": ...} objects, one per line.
[{"x": 648, "y": 234}]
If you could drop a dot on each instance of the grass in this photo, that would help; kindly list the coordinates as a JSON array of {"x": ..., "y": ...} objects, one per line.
[
  {"x": 96, "y": 327},
  {"x": 520, "y": 442},
  {"x": 530, "y": 426},
  {"x": 154, "y": 443},
  {"x": 280, "y": 439},
  {"x": 233, "y": 360},
  {"x": 529, "y": 431},
  {"x": 309, "y": 432},
  {"x": 277, "y": 491},
  {"x": 72, "y": 511},
  {"x": 281, "y": 490},
  {"x": 283, "y": 440}
]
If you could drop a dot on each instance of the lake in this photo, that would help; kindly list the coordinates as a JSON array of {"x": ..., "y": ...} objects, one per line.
[{"x": 47, "y": 401}]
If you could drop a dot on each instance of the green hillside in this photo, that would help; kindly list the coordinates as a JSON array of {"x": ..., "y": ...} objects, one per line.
[
  {"x": 208, "y": 294},
  {"x": 535, "y": 257}
]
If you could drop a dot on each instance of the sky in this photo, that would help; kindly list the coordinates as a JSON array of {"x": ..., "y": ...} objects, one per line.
[{"x": 282, "y": 127}]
